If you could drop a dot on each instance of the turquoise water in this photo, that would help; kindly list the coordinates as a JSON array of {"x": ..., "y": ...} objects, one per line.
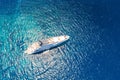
[{"x": 88, "y": 55}]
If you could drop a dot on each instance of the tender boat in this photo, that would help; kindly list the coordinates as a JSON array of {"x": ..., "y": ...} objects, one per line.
[{"x": 43, "y": 45}]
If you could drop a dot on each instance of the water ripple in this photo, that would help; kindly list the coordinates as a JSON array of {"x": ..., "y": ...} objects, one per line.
[{"x": 39, "y": 20}]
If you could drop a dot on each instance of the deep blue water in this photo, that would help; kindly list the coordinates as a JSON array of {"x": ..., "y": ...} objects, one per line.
[{"x": 92, "y": 53}]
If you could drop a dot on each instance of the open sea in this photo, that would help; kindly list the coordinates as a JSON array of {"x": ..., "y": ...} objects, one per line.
[{"x": 92, "y": 53}]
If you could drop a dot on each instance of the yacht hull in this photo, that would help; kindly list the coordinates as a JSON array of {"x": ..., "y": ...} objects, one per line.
[{"x": 47, "y": 44}]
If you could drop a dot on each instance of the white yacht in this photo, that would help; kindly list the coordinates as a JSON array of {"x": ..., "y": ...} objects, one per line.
[{"x": 46, "y": 44}]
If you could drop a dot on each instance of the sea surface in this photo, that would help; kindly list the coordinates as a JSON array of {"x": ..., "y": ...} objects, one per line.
[{"x": 92, "y": 53}]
